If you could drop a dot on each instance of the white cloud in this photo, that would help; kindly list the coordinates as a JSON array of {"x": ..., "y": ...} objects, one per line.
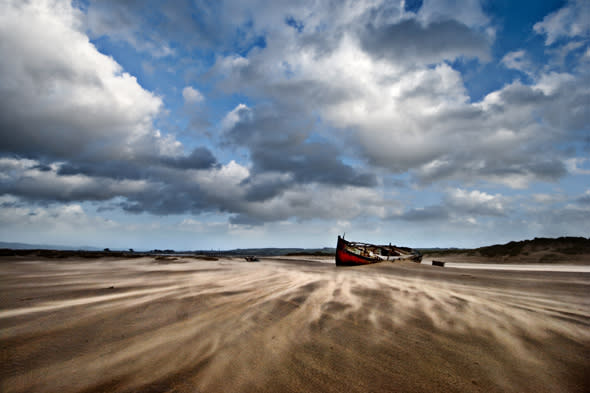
[
  {"x": 68, "y": 224},
  {"x": 192, "y": 95},
  {"x": 61, "y": 96},
  {"x": 569, "y": 21},
  {"x": 232, "y": 63},
  {"x": 391, "y": 108},
  {"x": 517, "y": 60},
  {"x": 317, "y": 202},
  {"x": 575, "y": 166},
  {"x": 122, "y": 25},
  {"x": 468, "y": 12},
  {"x": 476, "y": 201},
  {"x": 234, "y": 116},
  {"x": 552, "y": 82},
  {"x": 416, "y": 117},
  {"x": 222, "y": 182}
]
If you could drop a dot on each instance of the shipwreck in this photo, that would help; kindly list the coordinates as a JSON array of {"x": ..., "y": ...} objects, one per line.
[{"x": 356, "y": 253}]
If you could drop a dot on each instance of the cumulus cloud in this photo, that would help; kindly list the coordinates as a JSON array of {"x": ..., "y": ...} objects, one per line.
[
  {"x": 200, "y": 158},
  {"x": 27, "y": 179},
  {"x": 517, "y": 60},
  {"x": 409, "y": 41},
  {"x": 121, "y": 21},
  {"x": 315, "y": 202},
  {"x": 369, "y": 73},
  {"x": 417, "y": 117},
  {"x": 69, "y": 217},
  {"x": 476, "y": 202},
  {"x": 207, "y": 25},
  {"x": 469, "y": 13},
  {"x": 459, "y": 204},
  {"x": 76, "y": 126},
  {"x": 339, "y": 100},
  {"x": 192, "y": 95},
  {"x": 576, "y": 166},
  {"x": 278, "y": 143},
  {"x": 584, "y": 199},
  {"x": 60, "y": 97},
  {"x": 429, "y": 213},
  {"x": 569, "y": 21}
]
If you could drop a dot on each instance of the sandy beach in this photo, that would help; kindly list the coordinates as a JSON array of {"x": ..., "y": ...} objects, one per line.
[{"x": 288, "y": 325}]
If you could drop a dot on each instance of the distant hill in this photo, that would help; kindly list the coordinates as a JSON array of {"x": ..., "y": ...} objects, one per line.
[
  {"x": 539, "y": 250},
  {"x": 27, "y": 246},
  {"x": 564, "y": 245}
]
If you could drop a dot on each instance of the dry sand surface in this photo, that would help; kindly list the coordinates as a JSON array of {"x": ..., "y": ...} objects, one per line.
[{"x": 283, "y": 325}]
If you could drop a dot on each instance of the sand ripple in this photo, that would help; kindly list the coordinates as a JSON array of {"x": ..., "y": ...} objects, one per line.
[{"x": 230, "y": 326}]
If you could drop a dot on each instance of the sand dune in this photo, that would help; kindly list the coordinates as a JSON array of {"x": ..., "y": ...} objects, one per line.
[{"x": 287, "y": 325}]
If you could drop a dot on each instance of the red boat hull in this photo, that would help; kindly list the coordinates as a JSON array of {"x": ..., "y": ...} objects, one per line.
[{"x": 345, "y": 258}]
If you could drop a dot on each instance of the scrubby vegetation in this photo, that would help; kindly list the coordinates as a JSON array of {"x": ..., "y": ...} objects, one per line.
[
  {"x": 553, "y": 249},
  {"x": 565, "y": 245}
]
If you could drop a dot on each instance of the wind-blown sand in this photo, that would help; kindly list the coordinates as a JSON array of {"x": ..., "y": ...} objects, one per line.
[{"x": 283, "y": 325}]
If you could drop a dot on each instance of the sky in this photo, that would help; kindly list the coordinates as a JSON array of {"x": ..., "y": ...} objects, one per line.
[{"x": 198, "y": 124}]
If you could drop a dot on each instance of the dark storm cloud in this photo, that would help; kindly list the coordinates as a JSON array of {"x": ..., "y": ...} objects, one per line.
[
  {"x": 164, "y": 199},
  {"x": 540, "y": 168},
  {"x": 46, "y": 189},
  {"x": 42, "y": 168},
  {"x": 246, "y": 219},
  {"x": 280, "y": 143},
  {"x": 30, "y": 137},
  {"x": 136, "y": 168},
  {"x": 500, "y": 168},
  {"x": 115, "y": 169},
  {"x": 156, "y": 189},
  {"x": 409, "y": 41},
  {"x": 260, "y": 189},
  {"x": 310, "y": 162},
  {"x": 200, "y": 158}
]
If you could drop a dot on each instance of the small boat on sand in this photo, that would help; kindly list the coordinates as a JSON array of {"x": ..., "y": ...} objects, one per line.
[{"x": 356, "y": 253}]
